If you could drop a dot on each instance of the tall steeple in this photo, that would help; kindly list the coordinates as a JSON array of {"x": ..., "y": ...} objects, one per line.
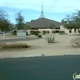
[{"x": 42, "y": 12}]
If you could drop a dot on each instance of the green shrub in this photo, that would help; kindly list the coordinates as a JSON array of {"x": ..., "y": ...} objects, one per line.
[
  {"x": 39, "y": 36},
  {"x": 44, "y": 32},
  {"x": 57, "y": 31},
  {"x": 14, "y": 32},
  {"x": 61, "y": 32},
  {"x": 50, "y": 39},
  {"x": 53, "y": 31},
  {"x": 75, "y": 42},
  {"x": 26, "y": 33},
  {"x": 37, "y": 33},
  {"x": 32, "y": 32},
  {"x": 47, "y": 31}
]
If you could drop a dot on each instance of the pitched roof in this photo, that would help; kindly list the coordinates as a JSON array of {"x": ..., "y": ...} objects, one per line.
[{"x": 43, "y": 23}]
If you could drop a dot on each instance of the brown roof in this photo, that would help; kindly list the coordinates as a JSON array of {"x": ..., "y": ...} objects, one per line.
[{"x": 43, "y": 23}]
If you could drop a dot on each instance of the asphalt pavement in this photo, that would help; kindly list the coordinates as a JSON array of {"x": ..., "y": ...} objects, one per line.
[{"x": 39, "y": 68}]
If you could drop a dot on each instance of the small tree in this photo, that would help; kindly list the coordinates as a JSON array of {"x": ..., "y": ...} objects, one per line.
[
  {"x": 4, "y": 22},
  {"x": 72, "y": 21},
  {"x": 19, "y": 21},
  {"x": 77, "y": 19},
  {"x": 27, "y": 27}
]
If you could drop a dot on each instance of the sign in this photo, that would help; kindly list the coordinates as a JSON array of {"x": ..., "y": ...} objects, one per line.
[
  {"x": 21, "y": 33},
  {"x": 75, "y": 76}
]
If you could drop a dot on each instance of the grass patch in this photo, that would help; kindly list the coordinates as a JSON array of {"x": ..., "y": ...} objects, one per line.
[{"x": 9, "y": 46}]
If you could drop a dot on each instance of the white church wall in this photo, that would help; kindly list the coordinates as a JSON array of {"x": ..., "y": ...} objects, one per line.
[
  {"x": 72, "y": 31},
  {"x": 28, "y": 31},
  {"x": 62, "y": 28},
  {"x": 77, "y": 31},
  {"x": 66, "y": 30}
]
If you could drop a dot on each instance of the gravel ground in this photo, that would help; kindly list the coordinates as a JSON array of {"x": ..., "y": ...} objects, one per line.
[{"x": 61, "y": 46}]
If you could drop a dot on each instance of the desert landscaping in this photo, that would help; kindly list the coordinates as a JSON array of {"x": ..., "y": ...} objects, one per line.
[{"x": 40, "y": 47}]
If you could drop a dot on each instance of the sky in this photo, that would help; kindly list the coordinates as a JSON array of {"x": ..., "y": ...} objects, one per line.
[{"x": 31, "y": 9}]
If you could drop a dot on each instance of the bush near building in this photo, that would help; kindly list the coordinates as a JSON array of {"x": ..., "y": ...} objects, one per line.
[
  {"x": 47, "y": 31},
  {"x": 32, "y": 32},
  {"x": 39, "y": 36},
  {"x": 37, "y": 33},
  {"x": 61, "y": 32},
  {"x": 14, "y": 32},
  {"x": 44, "y": 32},
  {"x": 53, "y": 31},
  {"x": 57, "y": 31}
]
